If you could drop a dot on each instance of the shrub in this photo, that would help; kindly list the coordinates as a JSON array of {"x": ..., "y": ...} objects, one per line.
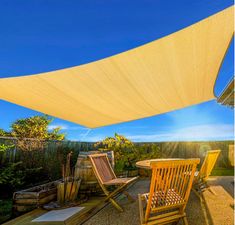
[
  {"x": 14, "y": 176},
  {"x": 126, "y": 153},
  {"x": 11, "y": 176}
]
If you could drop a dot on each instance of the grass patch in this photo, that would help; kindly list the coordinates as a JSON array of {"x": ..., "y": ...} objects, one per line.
[
  {"x": 223, "y": 172},
  {"x": 5, "y": 209}
]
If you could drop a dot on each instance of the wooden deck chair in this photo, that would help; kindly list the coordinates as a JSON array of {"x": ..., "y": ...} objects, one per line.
[
  {"x": 170, "y": 187},
  {"x": 201, "y": 176},
  {"x": 106, "y": 177}
]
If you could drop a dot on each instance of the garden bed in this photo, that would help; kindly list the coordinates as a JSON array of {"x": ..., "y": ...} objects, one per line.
[{"x": 28, "y": 199}]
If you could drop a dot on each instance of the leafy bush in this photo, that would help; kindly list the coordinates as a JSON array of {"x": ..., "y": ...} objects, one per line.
[
  {"x": 3, "y": 133},
  {"x": 14, "y": 176},
  {"x": 5, "y": 209},
  {"x": 126, "y": 153},
  {"x": 35, "y": 127},
  {"x": 11, "y": 175},
  {"x": 4, "y": 148},
  {"x": 123, "y": 150}
]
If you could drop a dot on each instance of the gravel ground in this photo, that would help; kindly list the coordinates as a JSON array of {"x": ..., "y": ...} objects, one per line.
[{"x": 196, "y": 212}]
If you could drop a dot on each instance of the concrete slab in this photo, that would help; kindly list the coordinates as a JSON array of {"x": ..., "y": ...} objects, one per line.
[{"x": 58, "y": 215}]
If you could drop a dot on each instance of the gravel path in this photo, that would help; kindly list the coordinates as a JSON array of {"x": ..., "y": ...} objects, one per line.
[{"x": 196, "y": 212}]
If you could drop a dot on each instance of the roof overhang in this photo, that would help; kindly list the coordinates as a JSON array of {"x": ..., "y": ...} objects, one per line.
[{"x": 227, "y": 95}]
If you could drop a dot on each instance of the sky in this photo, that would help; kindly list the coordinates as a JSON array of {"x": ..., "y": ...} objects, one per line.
[{"x": 41, "y": 35}]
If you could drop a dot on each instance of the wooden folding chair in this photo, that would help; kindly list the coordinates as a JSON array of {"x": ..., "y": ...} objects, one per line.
[
  {"x": 201, "y": 177},
  {"x": 170, "y": 187},
  {"x": 106, "y": 177}
]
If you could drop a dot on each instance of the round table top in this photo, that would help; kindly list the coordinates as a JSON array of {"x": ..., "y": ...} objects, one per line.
[{"x": 145, "y": 164}]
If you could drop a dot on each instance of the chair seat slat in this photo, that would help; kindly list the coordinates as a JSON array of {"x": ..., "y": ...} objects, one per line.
[{"x": 119, "y": 181}]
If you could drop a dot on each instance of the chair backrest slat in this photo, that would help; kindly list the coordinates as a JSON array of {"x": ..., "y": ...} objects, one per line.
[
  {"x": 208, "y": 163},
  {"x": 102, "y": 167},
  {"x": 171, "y": 183}
]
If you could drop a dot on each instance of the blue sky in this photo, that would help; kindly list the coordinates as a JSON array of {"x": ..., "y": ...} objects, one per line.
[{"x": 39, "y": 36}]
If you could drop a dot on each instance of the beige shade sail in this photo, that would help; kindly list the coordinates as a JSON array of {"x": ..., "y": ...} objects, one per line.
[{"x": 173, "y": 72}]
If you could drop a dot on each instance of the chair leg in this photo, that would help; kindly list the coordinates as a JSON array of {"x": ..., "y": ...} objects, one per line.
[
  {"x": 141, "y": 209},
  {"x": 112, "y": 194},
  {"x": 197, "y": 194},
  {"x": 185, "y": 220},
  {"x": 116, "y": 205},
  {"x": 130, "y": 198}
]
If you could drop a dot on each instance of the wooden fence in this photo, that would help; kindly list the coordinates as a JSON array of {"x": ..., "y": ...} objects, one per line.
[
  {"x": 198, "y": 150},
  {"x": 49, "y": 148},
  {"x": 49, "y": 156},
  {"x": 53, "y": 152}
]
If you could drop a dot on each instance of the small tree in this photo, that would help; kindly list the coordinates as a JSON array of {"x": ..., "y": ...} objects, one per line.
[
  {"x": 36, "y": 128},
  {"x": 123, "y": 150},
  {"x": 3, "y": 133},
  {"x": 4, "y": 147}
]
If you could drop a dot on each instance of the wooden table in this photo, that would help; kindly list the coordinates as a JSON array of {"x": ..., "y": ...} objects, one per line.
[{"x": 145, "y": 164}]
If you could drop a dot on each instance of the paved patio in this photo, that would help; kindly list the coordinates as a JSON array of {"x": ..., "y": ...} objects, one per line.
[{"x": 198, "y": 213}]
